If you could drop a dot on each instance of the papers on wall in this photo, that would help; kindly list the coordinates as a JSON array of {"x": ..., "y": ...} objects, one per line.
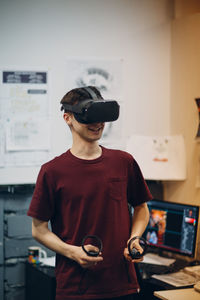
[
  {"x": 24, "y": 117},
  {"x": 106, "y": 75},
  {"x": 160, "y": 157},
  {"x": 29, "y": 134}
]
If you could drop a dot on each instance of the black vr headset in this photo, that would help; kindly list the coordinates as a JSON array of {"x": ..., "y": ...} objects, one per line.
[{"x": 95, "y": 110}]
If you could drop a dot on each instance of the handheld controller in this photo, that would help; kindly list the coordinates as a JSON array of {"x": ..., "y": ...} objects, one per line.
[
  {"x": 96, "y": 241},
  {"x": 133, "y": 252}
]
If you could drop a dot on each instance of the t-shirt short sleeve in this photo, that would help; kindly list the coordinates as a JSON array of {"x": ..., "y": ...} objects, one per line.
[
  {"x": 42, "y": 203},
  {"x": 138, "y": 191}
]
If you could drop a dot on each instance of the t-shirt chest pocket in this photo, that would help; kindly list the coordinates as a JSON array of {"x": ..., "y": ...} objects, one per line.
[{"x": 117, "y": 188}]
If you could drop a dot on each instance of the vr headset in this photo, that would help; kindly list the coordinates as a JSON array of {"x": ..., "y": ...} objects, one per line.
[{"x": 95, "y": 110}]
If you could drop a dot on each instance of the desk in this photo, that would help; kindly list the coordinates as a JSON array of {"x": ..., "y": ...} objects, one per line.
[
  {"x": 149, "y": 285},
  {"x": 40, "y": 282},
  {"x": 180, "y": 294}
]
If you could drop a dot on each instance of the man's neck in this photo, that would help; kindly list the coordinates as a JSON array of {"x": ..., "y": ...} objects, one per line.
[{"x": 86, "y": 150}]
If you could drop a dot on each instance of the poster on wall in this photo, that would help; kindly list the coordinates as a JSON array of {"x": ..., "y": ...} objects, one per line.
[
  {"x": 106, "y": 75},
  {"x": 160, "y": 157},
  {"x": 24, "y": 118}
]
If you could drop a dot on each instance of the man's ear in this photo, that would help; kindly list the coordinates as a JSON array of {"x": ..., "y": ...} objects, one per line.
[{"x": 67, "y": 117}]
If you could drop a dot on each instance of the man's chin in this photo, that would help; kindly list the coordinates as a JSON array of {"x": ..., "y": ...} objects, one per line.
[{"x": 94, "y": 138}]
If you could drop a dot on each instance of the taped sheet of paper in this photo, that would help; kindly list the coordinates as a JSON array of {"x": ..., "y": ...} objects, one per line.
[
  {"x": 24, "y": 118},
  {"x": 28, "y": 135},
  {"x": 106, "y": 75},
  {"x": 159, "y": 157}
]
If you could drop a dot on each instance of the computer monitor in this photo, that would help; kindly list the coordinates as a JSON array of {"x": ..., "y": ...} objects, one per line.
[{"x": 172, "y": 227}]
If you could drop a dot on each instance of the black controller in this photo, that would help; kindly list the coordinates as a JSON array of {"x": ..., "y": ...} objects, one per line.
[
  {"x": 97, "y": 243},
  {"x": 133, "y": 252}
]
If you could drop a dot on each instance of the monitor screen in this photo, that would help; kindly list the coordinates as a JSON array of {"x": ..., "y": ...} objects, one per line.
[{"x": 172, "y": 226}]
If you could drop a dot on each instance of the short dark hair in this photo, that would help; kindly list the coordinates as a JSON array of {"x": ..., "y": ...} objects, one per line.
[{"x": 79, "y": 94}]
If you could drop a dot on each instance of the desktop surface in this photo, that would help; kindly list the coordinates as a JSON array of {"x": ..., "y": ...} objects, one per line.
[
  {"x": 178, "y": 294},
  {"x": 40, "y": 282},
  {"x": 149, "y": 284}
]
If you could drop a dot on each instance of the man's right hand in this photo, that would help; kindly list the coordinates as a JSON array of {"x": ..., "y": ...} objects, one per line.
[{"x": 84, "y": 260}]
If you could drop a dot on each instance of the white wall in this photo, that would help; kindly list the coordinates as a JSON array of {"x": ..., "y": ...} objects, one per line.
[{"x": 44, "y": 33}]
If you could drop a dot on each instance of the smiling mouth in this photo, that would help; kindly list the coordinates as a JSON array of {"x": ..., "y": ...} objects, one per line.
[{"x": 96, "y": 130}]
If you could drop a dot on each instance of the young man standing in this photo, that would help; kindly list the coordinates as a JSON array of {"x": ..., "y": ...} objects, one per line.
[{"x": 85, "y": 191}]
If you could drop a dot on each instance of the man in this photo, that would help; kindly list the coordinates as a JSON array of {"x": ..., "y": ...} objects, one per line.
[{"x": 84, "y": 191}]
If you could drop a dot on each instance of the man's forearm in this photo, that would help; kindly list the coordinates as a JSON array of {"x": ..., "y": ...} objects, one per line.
[
  {"x": 43, "y": 235},
  {"x": 140, "y": 220}
]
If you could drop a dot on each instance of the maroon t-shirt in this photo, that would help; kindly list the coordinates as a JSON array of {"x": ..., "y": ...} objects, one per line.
[{"x": 82, "y": 197}]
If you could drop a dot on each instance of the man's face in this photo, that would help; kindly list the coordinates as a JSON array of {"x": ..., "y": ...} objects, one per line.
[{"x": 88, "y": 132}]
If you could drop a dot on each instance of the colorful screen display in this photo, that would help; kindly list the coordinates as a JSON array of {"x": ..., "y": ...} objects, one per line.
[{"x": 172, "y": 226}]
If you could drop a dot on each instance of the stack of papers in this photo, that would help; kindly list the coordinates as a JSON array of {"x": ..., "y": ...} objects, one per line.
[
  {"x": 154, "y": 259},
  {"x": 185, "y": 277},
  {"x": 193, "y": 270},
  {"x": 48, "y": 261},
  {"x": 178, "y": 279}
]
